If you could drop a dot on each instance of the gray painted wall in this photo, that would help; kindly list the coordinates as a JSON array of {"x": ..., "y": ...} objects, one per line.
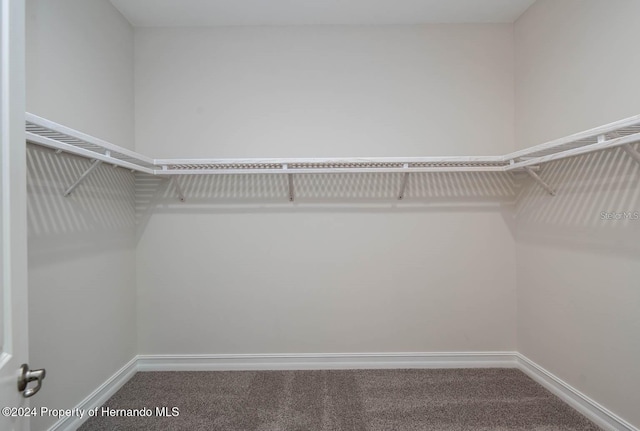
[
  {"x": 578, "y": 296},
  {"x": 79, "y": 67},
  {"x": 346, "y": 268},
  {"x": 82, "y": 324}
]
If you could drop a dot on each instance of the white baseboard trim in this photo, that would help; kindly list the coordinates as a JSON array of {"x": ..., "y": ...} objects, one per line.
[
  {"x": 597, "y": 413},
  {"x": 98, "y": 397},
  {"x": 325, "y": 361}
]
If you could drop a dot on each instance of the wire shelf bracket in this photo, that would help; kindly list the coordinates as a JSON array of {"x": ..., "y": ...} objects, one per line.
[
  {"x": 290, "y": 183},
  {"x": 82, "y": 177},
  {"x": 178, "y": 188},
  {"x": 405, "y": 179},
  {"x": 540, "y": 181},
  {"x": 631, "y": 152}
]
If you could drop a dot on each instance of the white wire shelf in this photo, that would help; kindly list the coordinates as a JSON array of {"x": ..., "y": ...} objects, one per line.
[
  {"x": 616, "y": 134},
  {"x": 623, "y": 133},
  {"x": 329, "y": 166},
  {"x": 46, "y": 133}
]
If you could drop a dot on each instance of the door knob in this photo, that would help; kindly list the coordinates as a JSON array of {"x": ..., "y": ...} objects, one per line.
[{"x": 26, "y": 376}]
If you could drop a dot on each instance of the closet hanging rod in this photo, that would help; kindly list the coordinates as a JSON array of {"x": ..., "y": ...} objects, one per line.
[
  {"x": 337, "y": 160},
  {"x": 333, "y": 170}
]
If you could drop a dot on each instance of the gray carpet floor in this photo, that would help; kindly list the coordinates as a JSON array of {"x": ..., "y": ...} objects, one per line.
[{"x": 358, "y": 400}]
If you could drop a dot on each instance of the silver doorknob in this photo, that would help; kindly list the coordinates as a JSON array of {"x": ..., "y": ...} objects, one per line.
[{"x": 26, "y": 376}]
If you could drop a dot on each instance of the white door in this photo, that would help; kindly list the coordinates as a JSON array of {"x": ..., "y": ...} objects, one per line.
[{"x": 13, "y": 256}]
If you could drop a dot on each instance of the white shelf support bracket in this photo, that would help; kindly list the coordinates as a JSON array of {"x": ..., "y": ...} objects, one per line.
[
  {"x": 290, "y": 181},
  {"x": 108, "y": 154},
  {"x": 405, "y": 179},
  {"x": 178, "y": 188},
  {"x": 540, "y": 181},
  {"x": 80, "y": 179},
  {"x": 632, "y": 153},
  {"x": 291, "y": 196}
]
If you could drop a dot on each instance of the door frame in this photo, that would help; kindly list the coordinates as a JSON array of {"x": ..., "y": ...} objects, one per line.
[{"x": 13, "y": 217}]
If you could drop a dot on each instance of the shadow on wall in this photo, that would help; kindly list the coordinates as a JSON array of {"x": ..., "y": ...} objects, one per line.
[
  {"x": 597, "y": 204},
  {"x": 325, "y": 192},
  {"x": 98, "y": 215}
]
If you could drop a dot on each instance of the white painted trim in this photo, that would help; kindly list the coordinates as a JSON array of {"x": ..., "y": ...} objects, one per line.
[
  {"x": 594, "y": 411},
  {"x": 321, "y": 361},
  {"x": 99, "y": 396}
]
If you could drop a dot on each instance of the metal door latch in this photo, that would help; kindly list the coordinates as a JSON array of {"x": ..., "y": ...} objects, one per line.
[{"x": 26, "y": 376}]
